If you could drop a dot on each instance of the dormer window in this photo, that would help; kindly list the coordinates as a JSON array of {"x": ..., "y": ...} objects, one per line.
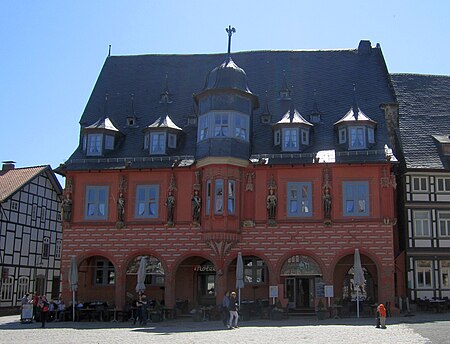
[
  {"x": 100, "y": 137},
  {"x": 292, "y": 132},
  {"x": 314, "y": 118},
  {"x": 160, "y": 136},
  {"x": 357, "y": 138}
]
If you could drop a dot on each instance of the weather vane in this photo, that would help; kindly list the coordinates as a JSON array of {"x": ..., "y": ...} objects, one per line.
[{"x": 230, "y": 31}]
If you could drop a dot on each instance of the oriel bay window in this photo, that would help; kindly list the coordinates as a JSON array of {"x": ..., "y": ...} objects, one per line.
[
  {"x": 223, "y": 124},
  {"x": 222, "y": 197}
]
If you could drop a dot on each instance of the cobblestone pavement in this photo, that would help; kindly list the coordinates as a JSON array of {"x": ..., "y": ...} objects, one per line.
[{"x": 419, "y": 329}]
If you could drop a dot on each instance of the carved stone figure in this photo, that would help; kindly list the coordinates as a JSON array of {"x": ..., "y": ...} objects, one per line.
[
  {"x": 271, "y": 204},
  {"x": 327, "y": 203},
  {"x": 66, "y": 208},
  {"x": 121, "y": 208},
  {"x": 196, "y": 206},
  {"x": 170, "y": 204}
]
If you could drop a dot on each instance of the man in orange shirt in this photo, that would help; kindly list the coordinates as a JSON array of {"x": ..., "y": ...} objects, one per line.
[{"x": 382, "y": 313}]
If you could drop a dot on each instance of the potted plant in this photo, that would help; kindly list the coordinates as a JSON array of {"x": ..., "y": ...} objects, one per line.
[{"x": 322, "y": 312}]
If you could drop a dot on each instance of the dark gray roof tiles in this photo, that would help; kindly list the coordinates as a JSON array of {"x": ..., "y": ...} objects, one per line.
[
  {"x": 424, "y": 112},
  {"x": 322, "y": 79}
]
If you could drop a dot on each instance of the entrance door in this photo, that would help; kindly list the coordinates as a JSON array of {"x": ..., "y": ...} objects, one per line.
[
  {"x": 206, "y": 289},
  {"x": 298, "y": 291}
]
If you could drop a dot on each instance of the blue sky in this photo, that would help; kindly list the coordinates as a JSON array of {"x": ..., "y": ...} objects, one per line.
[{"x": 51, "y": 52}]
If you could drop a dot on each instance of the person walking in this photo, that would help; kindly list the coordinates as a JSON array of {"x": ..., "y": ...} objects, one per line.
[
  {"x": 233, "y": 309},
  {"x": 225, "y": 308},
  {"x": 382, "y": 313}
]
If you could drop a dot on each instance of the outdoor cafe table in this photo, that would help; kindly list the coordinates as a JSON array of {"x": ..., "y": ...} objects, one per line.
[
  {"x": 90, "y": 314},
  {"x": 437, "y": 305}
]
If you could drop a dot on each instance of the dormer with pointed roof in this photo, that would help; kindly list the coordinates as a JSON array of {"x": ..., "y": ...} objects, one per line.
[
  {"x": 356, "y": 130},
  {"x": 292, "y": 132},
  {"x": 100, "y": 137}
]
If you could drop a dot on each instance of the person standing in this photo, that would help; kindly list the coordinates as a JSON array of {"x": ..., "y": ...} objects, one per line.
[
  {"x": 225, "y": 308},
  {"x": 233, "y": 309},
  {"x": 44, "y": 308},
  {"x": 144, "y": 310},
  {"x": 382, "y": 313}
]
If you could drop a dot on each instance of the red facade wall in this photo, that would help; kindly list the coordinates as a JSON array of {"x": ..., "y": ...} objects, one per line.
[{"x": 328, "y": 245}]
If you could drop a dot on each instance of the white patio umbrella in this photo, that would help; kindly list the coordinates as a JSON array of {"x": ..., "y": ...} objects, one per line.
[
  {"x": 239, "y": 276},
  {"x": 358, "y": 277},
  {"x": 73, "y": 282},
  {"x": 142, "y": 272}
]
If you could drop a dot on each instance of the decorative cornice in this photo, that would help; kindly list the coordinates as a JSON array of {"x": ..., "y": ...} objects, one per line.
[{"x": 222, "y": 161}]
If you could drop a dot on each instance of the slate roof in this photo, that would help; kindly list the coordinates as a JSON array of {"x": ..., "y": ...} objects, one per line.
[
  {"x": 322, "y": 78},
  {"x": 424, "y": 112},
  {"x": 13, "y": 180}
]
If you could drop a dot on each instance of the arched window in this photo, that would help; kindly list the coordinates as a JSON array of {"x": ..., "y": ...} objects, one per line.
[
  {"x": 23, "y": 286},
  {"x": 7, "y": 288}
]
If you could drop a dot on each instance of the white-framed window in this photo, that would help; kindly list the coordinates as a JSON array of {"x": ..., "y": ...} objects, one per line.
[
  {"x": 254, "y": 270},
  {"x": 7, "y": 288},
  {"x": 444, "y": 223},
  {"x": 208, "y": 198},
  {"x": 342, "y": 135},
  {"x": 223, "y": 124},
  {"x": 443, "y": 184},
  {"x": 241, "y": 127},
  {"x": 104, "y": 272},
  {"x": 290, "y": 139},
  {"x": 277, "y": 137},
  {"x": 46, "y": 247},
  {"x": 147, "y": 141},
  {"x": 147, "y": 201},
  {"x": 231, "y": 197},
  {"x": 444, "y": 268},
  {"x": 58, "y": 249},
  {"x": 109, "y": 142},
  {"x": 218, "y": 195},
  {"x": 370, "y": 135},
  {"x": 23, "y": 286},
  {"x": 357, "y": 138},
  {"x": 94, "y": 144},
  {"x": 172, "y": 141},
  {"x": 96, "y": 202},
  {"x": 305, "y": 136},
  {"x": 203, "y": 128},
  {"x": 157, "y": 143},
  {"x": 420, "y": 184},
  {"x": 299, "y": 198},
  {"x": 356, "y": 198},
  {"x": 422, "y": 223},
  {"x": 423, "y": 273}
]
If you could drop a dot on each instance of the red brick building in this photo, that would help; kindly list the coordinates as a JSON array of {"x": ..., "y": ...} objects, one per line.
[{"x": 288, "y": 160}]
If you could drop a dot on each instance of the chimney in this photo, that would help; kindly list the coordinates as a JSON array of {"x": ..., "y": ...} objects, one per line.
[
  {"x": 364, "y": 47},
  {"x": 8, "y": 165}
]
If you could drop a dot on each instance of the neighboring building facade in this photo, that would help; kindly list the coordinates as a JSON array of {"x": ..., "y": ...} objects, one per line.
[
  {"x": 279, "y": 158},
  {"x": 424, "y": 130},
  {"x": 30, "y": 233}
]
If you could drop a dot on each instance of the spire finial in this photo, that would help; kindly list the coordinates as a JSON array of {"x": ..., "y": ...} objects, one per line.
[
  {"x": 355, "y": 102},
  {"x": 109, "y": 50},
  {"x": 230, "y": 31}
]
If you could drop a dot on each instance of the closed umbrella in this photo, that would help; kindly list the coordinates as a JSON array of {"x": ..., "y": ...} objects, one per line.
[
  {"x": 142, "y": 272},
  {"x": 73, "y": 282},
  {"x": 239, "y": 276},
  {"x": 358, "y": 277}
]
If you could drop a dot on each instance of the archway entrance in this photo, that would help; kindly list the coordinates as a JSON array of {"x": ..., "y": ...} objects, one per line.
[
  {"x": 301, "y": 275},
  {"x": 344, "y": 286},
  {"x": 195, "y": 284}
]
